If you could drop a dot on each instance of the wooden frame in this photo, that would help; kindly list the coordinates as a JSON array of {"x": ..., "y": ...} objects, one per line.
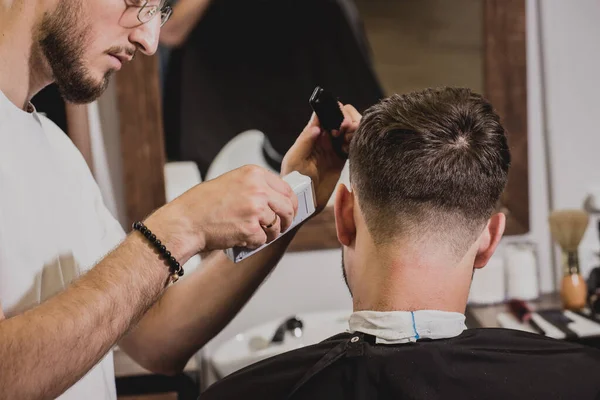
[
  {"x": 142, "y": 144},
  {"x": 505, "y": 86}
]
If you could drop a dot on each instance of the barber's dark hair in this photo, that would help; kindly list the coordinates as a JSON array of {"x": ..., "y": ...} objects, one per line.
[{"x": 429, "y": 161}]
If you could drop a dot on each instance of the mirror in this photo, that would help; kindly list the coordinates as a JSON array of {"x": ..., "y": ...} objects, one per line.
[
  {"x": 478, "y": 44},
  {"x": 427, "y": 43},
  {"x": 413, "y": 45}
]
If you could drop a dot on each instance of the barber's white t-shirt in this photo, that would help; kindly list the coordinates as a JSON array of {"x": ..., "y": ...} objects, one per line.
[{"x": 53, "y": 224}]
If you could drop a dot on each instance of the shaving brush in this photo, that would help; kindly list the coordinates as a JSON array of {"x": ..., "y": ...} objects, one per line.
[{"x": 568, "y": 227}]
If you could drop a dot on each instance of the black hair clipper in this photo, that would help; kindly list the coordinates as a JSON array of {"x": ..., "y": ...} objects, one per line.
[{"x": 327, "y": 108}]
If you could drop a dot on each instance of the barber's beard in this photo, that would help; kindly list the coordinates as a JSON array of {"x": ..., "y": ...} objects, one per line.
[{"x": 62, "y": 39}]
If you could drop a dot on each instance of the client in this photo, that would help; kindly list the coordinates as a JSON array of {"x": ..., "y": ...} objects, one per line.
[{"x": 426, "y": 171}]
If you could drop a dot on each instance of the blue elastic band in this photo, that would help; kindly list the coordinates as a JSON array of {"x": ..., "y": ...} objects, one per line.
[{"x": 412, "y": 314}]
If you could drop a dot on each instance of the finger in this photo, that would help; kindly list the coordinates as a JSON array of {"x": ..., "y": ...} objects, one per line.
[
  {"x": 351, "y": 118},
  {"x": 352, "y": 126},
  {"x": 256, "y": 239},
  {"x": 352, "y": 112},
  {"x": 347, "y": 140},
  {"x": 313, "y": 121},
  {"x": 295, "y": 204},
  {"x": 348, "y": 135},
  {"x": 312, "y": 128},
  {"x": 284, "y": 208},
  {"x": 346, "y": 127},
  {"x": 279, "y": 185},
  {"x": 345, "y": 122},
  {"x": 307, "y": 139},
  {"x": 273, "y": 229}
]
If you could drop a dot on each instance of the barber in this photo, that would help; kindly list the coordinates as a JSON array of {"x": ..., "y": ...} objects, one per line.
[{"x": 59, "y": 317}]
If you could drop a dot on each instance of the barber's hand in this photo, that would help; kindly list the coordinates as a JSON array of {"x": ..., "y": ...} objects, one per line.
[
  {"x": 313, "y": 154},
  {"x": 247, "y": 207}
]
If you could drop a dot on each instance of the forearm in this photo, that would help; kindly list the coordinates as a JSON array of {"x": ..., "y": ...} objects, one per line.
[
  {"x": 49, "y": 348},
  {"x": 186, "y": 15},
  {"x": 192, "y": 312}
]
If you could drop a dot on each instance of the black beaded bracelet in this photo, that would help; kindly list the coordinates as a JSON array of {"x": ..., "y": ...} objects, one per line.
[{"x": 176, "y": 269}]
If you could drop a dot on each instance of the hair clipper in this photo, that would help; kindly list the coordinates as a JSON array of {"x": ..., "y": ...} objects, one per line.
[
  {"x": 327, "y": 108},
  {"x": 303, "y": 187}
]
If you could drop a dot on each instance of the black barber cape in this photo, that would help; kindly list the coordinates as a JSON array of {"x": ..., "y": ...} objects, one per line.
[{"x": 478, "y": 364}]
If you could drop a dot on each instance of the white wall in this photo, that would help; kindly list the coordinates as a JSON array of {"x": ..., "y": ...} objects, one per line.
[
  {"x": 538, "y": 198},
  {"x": 570, "y": 33},
  {"x": 571, "y": 50}
]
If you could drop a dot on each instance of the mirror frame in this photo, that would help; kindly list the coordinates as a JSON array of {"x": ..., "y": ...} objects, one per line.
[
  {"x": 505, "y": 75},
  {"x": 506, "y": 87},
  {"x": 142, "y": 137}
]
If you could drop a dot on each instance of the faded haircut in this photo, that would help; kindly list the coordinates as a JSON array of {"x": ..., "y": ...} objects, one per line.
[{"x": 429, "y": 162}]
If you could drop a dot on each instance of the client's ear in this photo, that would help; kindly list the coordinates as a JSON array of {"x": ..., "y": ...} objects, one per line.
[
  {"x": 489, "y": 239},
  {"x": 344, "y": 215}
]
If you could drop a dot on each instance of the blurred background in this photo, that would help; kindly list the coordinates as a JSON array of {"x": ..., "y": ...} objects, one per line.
[{"x": 230, "y": 86}]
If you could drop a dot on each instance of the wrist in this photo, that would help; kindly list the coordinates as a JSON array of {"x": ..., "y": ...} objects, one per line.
[
  {"x": 287, "y": 169},
  {"x": 176, "y": 231}
]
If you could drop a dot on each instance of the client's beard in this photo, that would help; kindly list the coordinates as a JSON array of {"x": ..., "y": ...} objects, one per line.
[
  {"x": 344, "y": 274},
  {"x": 62, "y": 43}
]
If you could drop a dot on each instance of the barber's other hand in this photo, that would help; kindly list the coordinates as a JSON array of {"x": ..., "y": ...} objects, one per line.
[
  {"x": 247, "y": 207},
  {"x": 313, "y": 155}
]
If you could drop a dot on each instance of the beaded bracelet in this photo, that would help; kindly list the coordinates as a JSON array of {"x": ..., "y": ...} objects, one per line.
[{"x": 176, "y": 269}]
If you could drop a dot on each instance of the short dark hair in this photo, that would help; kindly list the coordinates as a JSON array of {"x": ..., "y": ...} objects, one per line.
[{"x": 436, "y": 158}]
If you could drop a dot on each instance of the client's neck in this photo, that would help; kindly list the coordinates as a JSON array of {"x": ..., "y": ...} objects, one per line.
[{"x": 410, "y": 277}]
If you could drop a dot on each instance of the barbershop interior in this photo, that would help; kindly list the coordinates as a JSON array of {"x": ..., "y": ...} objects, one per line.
[{"x": 233, "y": 83}]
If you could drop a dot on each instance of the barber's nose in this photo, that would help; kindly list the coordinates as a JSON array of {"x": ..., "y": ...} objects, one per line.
[{"x": 145, "y": 36}]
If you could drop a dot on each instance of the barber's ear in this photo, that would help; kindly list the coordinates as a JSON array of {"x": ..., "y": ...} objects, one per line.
[
  {"x": 344, "y": 215},
  {"x": 489, "y": 239}
]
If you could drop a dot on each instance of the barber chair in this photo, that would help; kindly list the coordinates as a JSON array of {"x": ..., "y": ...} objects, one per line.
[{"x": 244, "y": 149}]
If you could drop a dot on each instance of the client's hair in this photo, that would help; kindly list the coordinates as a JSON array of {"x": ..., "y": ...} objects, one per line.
[{"x": 429, "y": 162}]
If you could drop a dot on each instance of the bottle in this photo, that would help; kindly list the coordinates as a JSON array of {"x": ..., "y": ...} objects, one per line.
[
  {"x": 488, "y": 286},
  {"x": 522, "y": 271}
]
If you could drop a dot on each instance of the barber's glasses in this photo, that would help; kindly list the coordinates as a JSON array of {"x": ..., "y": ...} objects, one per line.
[{"x": 149, "y": 11}]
